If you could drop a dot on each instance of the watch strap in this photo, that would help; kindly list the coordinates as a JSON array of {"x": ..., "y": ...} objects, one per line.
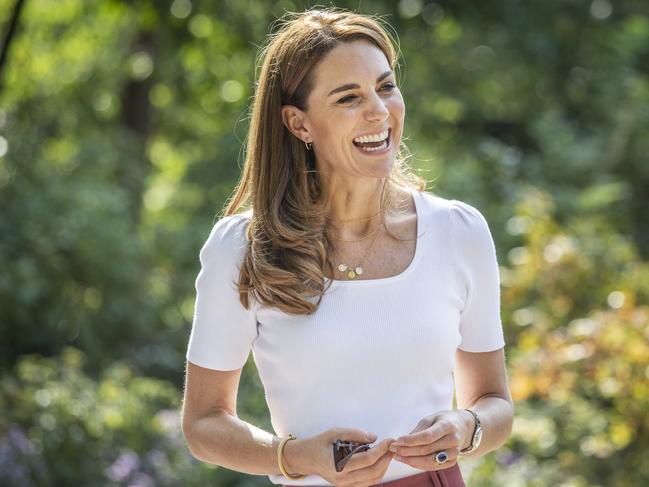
[{"x": 472, "y": 446}]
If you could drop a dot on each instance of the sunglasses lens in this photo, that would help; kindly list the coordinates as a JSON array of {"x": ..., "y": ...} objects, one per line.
[{"x": 344, "y": 451}]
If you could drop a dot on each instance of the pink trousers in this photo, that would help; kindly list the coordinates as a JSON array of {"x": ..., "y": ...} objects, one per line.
[{"x": 447, "y": 477}]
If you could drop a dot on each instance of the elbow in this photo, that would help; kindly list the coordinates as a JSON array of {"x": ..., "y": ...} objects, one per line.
[
  {"x": 506, "y": 425},
  {"x": 510, "y": 423},
  {"x": 510, "y": 412},
  {"x": 188, "y": 436},
  {"x": 510, "y": 400},
  {"x": 199, "y": 433},
  {"x": 192, "y": 440}
]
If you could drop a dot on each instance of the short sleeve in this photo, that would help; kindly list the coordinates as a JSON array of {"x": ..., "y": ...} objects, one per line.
[
  {"x": 476, "y": 268},
  {"x": 222, "y": 330}
]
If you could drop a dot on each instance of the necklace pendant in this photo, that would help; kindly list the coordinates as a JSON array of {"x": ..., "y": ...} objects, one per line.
[
  {"x": 359, "y": 270},
  {"x": 351, "y": 274},
  {"x": 342, "y": 267}
]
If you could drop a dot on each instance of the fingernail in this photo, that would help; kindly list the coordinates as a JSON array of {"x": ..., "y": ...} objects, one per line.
[{"x": 393, "y": 448}]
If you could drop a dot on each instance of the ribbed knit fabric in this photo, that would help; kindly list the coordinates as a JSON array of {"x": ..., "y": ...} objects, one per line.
[{"x": 377, "y": 354}]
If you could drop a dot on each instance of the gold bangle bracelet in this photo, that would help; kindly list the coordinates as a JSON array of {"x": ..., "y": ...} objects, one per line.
[{"x": 281, "y": 463}]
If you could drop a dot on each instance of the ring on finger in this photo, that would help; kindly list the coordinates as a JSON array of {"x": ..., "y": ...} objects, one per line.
[{"x": 441, "y": 457}]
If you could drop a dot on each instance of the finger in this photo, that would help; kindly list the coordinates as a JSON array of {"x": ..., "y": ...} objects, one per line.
[
  {"x": 427, "y": 462},
  {"x": 423, "y": 424},
  {"x": 372, "y": 474},
  {"x": 369, "y": 457},
  {"x": 351, "y": 434},
  {"x": 437, "y": 430},
  {"x": 448, "y": 442}
]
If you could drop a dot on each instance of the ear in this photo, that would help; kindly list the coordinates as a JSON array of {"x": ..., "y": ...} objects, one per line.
[{"x": 295, "y": 120}]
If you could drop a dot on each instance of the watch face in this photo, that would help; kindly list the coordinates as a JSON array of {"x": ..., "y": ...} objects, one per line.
[{"x": 477, "y": 438}]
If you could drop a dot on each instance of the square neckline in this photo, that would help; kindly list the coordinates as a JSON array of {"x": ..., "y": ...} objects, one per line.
[{"x": 413, "y": 262}]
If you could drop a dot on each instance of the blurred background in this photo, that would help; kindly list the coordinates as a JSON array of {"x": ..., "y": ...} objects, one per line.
[{"x": 121, "y": 131}]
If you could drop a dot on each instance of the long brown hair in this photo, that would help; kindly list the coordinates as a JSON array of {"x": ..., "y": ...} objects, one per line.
[{"x": 287, "y": 255}]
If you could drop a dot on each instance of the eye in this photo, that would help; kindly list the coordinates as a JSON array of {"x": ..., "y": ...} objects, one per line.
[
  {"x": 385, "y": 87},
  {"x": 347, "y": 99}
]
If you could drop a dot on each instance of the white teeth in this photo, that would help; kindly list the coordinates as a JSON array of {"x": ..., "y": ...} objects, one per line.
[
  {"x": 383, "y": 146},
  {"x": 373, "y": 138}
]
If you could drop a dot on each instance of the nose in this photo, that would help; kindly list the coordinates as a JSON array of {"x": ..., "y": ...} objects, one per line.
[{"x": 377, "y": 111}]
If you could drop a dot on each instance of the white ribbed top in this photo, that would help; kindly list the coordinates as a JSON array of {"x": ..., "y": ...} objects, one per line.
[{"x": 377, "y": 354}]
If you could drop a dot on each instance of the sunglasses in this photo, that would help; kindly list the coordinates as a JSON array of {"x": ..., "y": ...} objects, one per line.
[{"x": 343, "y": 451}]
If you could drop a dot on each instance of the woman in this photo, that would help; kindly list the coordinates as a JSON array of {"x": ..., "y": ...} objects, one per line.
[{"x": 365, "y": 300}]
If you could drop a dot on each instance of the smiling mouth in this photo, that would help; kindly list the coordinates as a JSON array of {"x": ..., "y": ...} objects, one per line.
[{"x": 375, "y": 146}]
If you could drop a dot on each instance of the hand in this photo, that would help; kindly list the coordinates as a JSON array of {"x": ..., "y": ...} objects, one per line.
[
  {"x": 315, "y": 455},
  {"x": 445, "y": 430}
]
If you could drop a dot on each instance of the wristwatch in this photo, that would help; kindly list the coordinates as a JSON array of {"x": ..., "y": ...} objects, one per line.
[{"x": 477, "y": 435}]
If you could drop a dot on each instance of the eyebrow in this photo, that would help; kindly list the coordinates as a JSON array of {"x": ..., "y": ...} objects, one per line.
[{"x": 352, "y": 86}]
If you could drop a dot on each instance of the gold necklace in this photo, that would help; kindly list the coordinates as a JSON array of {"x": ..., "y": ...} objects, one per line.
[
  {"x": 353, "y": 272},
  {"x": 356, "y": 219},
  {"x": 360, "y": 240},
  {"x": 366, "y": 236}
]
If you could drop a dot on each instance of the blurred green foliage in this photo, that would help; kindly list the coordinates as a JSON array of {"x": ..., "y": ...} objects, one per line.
[
  {"x": 121, "y": 130},
  {"x": 66, "y": 428}
]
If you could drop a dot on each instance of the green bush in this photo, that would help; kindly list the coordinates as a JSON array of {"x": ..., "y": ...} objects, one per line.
[
  {"x": 61, "y": 427},
  {"x": 579, "y": 368}
]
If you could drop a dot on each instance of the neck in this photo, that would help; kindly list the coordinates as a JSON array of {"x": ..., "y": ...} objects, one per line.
[{"x": 354, "y": 209}]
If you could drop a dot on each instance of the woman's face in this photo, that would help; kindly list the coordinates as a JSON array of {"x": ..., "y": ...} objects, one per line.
[{"x": 354, "y": 100}]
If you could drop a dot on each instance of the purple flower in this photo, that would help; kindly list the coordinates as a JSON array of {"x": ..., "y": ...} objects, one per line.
[
  {"x": 141, "y": 479},
  {"x": 157, "y": 458},
  {"x": 19, "y": 440},
  {"x": 123, "y": 466},
  {"x": 14, "y": 445},
  {"x": 508, "y": 457}
]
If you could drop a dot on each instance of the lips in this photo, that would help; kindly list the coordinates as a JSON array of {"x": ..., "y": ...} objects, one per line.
[
  {"x": 372, "y": 143},
  {"x": 375, "y": 148}
]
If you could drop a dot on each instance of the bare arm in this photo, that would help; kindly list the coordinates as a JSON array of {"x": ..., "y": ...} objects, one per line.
[
  {"x": 481, "y": 385},
  {"x": 215, "y": 434}
]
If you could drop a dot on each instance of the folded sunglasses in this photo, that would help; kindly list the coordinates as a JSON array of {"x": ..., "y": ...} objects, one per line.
[{"x": 343, "y": 451}]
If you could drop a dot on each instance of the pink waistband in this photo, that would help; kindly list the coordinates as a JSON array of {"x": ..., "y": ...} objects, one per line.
[{"x": 446, "y": 477}]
